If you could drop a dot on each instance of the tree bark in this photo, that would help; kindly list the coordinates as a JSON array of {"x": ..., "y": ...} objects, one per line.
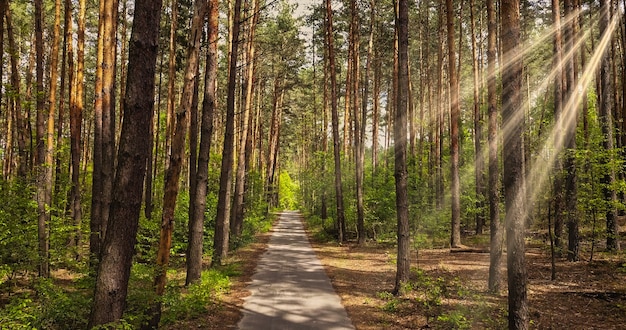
[
  {"x": 571, "y": 192},
  {"x": 222, "y": 226},
  {"x": 606, "y": 108},
  {"x": 196, "y": 225},
  {"x": 172, "y": 175},
  {"x": 340, "y": 221},
  {"x": 514, "y": 194},
  {"x": 400, "y": 141},
  {"x": 236, "y": 225},
  {"x": 43, "y": 198},
  {"x": 495, "y": 224},
  {"x": 455, "y": 233},
  {"x": 114, "y": 269},
  {"x": 559, "y": 89},
  {"x": 479, "y": 157}
]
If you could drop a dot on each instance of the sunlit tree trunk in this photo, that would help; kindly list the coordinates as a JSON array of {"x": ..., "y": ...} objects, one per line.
[
  {"x": 513, "y": 120},
  {"x": 400, "y": 141},
  {"x": 104, "y": 127},
  {"x": 376, "y": 111},
  {"x": 76, "y": 119},
  {"x": 118, "y": 249},
  {"x": 571, "y": 192},
  {"x": 439, "y": 194},
  {"x": 479, "y": 163},
  {"x": 171, "y": 81},
  {"x": 236, "y": 225},
  {"x": 359, "y": 120},
  {"x": 495, "y": 225},
  {"x": 606, "y": 108},
  {"x": 273, "y": 143},
  {"x": 340, "y": 221},
  {"x": 172, "y": 175},
  {"x": 455, "y": 234},
  {"x": 43, "y": 181},
  {"x": 196, "y": 225},
  {"x": 559, "y": 88},
  {"x": 222, "y": 225}
]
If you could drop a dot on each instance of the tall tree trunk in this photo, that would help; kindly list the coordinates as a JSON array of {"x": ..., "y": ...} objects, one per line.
[
  {"x": 559, "y": 89},
  {"x": 76, "y": 119},
  {"x": 172, "y": 175},
  {"x": 571, "y": 192},
  {"x": 340, "y": 221},
  {"x": 359, "y": 120},
  {"x": 455, "y": 233},
  {"x": 236, "y": 225},
  {"x": 606, "y": 108},
  {"x": 49, "y": 163},
  {"x": 171, "y": 81},
  {"x": 196, "y": 225},
  {"x": 43, "y": 200},
  {"x": 271, "y": 183},
  {"x": 439, "y": 194},
  {"x": 495, "y": 225},
  {"x": 222, "y": 226},
  {"x": 104, "y": 126},
  {"x": 118, "y": 249},
  {"x": 514, "y": 194},
  {"x": 400, "y": 137},
  {"x": 479, "y": 157},
  {"x": 20, "y": 124}
]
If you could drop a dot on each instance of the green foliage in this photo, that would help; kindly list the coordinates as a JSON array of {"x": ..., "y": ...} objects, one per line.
[
  {"x": 185, "y": 304},
  {"x": 288, "y": 191},
  {"x": 47, "y": 306},
  {"x": 18, "y": 228},
  {"x": 20, "y": 314},
  {"x": 453, "y": 320},
  {"x": 62, "y": 309}
]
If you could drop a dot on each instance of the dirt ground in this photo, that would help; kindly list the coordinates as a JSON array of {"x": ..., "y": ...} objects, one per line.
[
  {"x": 448, "y": 290},
  {"x": 584, "y": 296}
]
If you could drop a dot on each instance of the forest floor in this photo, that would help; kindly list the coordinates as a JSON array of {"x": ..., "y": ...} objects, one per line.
[{"x": 447, "y": 290}]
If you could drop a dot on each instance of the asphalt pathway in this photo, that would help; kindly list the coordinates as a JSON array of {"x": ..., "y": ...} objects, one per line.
[{"x": 290, "y": 289}]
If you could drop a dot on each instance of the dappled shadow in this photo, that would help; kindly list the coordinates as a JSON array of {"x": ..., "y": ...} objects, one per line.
[{"x": 290, "y": 289}]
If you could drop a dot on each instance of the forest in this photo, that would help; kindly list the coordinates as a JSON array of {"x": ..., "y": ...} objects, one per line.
[{"x": 146, "y": 146}]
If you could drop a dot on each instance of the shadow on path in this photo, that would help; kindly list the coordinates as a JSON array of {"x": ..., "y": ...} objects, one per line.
[{"x": 290, "y": 289}]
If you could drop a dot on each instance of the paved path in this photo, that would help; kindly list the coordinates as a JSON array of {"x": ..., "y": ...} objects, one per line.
[{"x": 290, "y": 289}]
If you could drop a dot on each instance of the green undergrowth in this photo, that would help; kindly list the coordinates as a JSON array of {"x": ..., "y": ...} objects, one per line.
[{"x": 445, "y": 301}]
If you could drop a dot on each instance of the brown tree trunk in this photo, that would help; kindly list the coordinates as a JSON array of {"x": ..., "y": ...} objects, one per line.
[
  {"x": 340, "y": 221},
  {"x": 222, "y": 226},
  {"x": 495, "y": 225},
  {"x": 455, "y": 234},
  {"x": 439, "y": 194},
  {"x": 196, "y": 225},
  {"x": 76, "y": 119},
  {"x": 104, "y": 126},
  {"x": 359, "y": 120},
  {"x": 400, "y": 167},
  {"x": 606, "y": 108},
  {"x": 571, "y": 192},
  {"x": 118, "y": 248},
  {"x": 479, "y": 157},
  {"x": 171, "y": 81},
  {"x": 43, "y": 182},
  {"x": 559, "y": 89},
  {"x": 236, "y": 225},
  {"x": 20, "y": 127},
  {"x": 172, "y": 175},
  {"x": 514, "y": 165},
  {"x": 273, "y": 142}
]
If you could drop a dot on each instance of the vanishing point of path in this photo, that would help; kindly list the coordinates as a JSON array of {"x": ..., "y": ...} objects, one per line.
[{"x": 290, "y": 289}]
